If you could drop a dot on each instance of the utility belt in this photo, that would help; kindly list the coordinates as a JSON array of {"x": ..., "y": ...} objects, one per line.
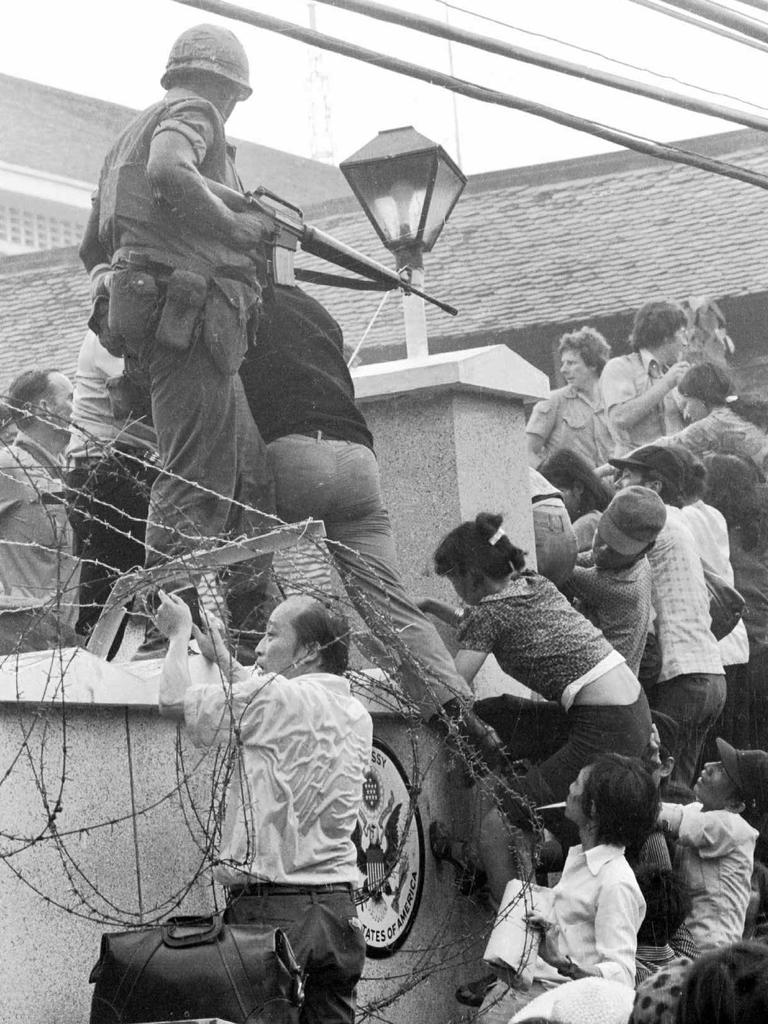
[{"x": 174, "y": 304}]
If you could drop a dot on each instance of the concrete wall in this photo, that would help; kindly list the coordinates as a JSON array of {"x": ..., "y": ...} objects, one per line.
[
  {"x": 104, "y": 813},
  {"x": 128, "y": 846}
]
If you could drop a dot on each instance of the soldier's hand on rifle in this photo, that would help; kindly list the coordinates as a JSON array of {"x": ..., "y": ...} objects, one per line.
[{"x": 251, "y": 231}]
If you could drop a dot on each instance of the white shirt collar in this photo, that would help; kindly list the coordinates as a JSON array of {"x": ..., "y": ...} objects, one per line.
[{"x": 599, "y": 855}]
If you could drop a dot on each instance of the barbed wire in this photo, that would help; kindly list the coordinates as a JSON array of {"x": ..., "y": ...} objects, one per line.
[{"x": 50, "y": 758}]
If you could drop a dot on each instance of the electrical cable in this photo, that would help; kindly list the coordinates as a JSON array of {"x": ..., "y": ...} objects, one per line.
[
  {"x": 381, "y": 12},
  {"x": 637, "y": 143},
  {"x": 724, "y": 16},
  {"x": 604, "y": 56},
  {"x": 708, "y": 26}
]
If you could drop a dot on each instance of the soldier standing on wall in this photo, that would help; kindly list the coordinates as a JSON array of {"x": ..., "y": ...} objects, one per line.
[{"x": 184, "y": 276}]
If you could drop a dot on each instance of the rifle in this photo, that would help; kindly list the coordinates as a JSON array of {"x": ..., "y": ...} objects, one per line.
[{"x": 289, "y": 231}]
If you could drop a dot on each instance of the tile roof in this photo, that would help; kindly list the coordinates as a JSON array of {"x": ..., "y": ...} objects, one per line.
[
  {"x": 578, "y": 239},
  {"x": 68, "y": 134},
  {"x": 44, "y": 307},
  {"x": 526, "y": 247}
]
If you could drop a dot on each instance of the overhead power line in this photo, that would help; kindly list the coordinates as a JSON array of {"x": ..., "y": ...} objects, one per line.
[
  {"x": 604, "y": 56},
  {"x": 724, "y": 16},
  {"x": 620, "y": 138},
  {"x": 707, "y": 26},
  {"x": 405, "y": 19}
]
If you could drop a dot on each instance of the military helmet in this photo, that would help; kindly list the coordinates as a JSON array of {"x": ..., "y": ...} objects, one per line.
[{"x": 212, "y": 49}]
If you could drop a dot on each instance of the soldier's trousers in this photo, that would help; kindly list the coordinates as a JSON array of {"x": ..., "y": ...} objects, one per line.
[{"x": 215, "y": 481}]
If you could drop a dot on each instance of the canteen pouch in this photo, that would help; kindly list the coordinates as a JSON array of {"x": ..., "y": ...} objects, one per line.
[
  {"x": 230, "y": 312},
  {"x": 184, "y": 300},
  {"x": 133, "y": 306},
  {"x": 99, "y": 324}
]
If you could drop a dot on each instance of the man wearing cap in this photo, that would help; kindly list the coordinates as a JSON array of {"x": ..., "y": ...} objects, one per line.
[
  {"x": 616, "y": 588},
  {"x": 716, "y": 845},
  {"x": 639, "y": 389},
  {"x": 691, "y": 683},
  {"x": 184, "y": 276}
]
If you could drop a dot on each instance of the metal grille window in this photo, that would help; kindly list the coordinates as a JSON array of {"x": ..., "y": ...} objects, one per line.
[{"x": 34, "y": 231}]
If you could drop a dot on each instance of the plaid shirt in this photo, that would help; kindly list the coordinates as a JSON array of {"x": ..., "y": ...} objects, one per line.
[{"x": 681, "y": 602}]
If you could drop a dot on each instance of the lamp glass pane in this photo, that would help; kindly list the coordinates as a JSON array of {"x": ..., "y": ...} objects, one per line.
[
  {"x": 394, "y": 192},
  {"x": 448, "y": 188}
]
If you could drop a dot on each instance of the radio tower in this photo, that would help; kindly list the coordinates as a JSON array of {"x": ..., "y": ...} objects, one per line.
[{"x": 319, "y": 105}]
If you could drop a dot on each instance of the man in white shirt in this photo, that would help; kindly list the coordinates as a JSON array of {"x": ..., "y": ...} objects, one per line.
[
  {"x": 38, "y": 573},
  {"x": 639, "y": 389},
  {"x": 303, "y": 743},
  {"x": 111, "y": 465}
]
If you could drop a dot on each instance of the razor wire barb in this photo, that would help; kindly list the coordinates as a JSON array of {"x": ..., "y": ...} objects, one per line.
[{"x": 58, "y": 848}]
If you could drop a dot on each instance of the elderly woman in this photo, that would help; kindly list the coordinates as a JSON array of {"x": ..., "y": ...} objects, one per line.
[{"x": 574, "y": 416}]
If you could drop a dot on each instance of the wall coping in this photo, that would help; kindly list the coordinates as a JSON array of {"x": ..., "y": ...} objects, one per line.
[
  {"x": 493, "y": 369},
  {"x": 71, "y": 677}
]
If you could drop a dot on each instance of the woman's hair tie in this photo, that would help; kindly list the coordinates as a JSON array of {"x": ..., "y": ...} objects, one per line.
[{"x": 494, "y": 540}]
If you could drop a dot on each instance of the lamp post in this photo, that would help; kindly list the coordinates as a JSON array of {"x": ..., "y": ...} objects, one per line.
[{"x": 407, "y": 185}]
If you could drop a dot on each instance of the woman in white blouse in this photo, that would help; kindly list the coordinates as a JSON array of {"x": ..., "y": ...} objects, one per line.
[{"x": 597, "y": 905}]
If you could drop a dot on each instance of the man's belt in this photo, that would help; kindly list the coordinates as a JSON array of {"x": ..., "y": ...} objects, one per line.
[{"x": 280, "y": 889}]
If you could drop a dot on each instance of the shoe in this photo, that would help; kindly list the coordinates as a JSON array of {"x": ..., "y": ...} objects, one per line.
[{"x": 474, "y": 992}]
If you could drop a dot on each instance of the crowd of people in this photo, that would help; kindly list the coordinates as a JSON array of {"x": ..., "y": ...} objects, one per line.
[
  {"x": 663, "y": 839},
  {"x": 212, "y": 400}
]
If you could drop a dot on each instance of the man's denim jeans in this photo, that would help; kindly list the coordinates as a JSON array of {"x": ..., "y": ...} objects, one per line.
[
  {"x": 695, "y": 701},
  {"x": 338, "y": 482}
]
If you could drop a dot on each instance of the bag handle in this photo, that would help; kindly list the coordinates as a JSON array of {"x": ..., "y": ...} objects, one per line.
[{"x": 178, "y": 932}]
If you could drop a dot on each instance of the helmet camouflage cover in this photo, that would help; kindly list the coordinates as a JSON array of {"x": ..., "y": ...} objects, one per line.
[{"x": 211, "y": 49}]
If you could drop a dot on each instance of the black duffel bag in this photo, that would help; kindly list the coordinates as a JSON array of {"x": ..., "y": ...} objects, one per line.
[{"x": 197, "y": 967}]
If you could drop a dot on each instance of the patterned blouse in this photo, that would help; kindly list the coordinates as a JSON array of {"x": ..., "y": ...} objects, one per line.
[
  {"x": 535, "y": 635},
  {"x": 723, "y": 432}
]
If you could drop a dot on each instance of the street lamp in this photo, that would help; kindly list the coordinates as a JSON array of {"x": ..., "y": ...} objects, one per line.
[{"x": 407, "y": 185}]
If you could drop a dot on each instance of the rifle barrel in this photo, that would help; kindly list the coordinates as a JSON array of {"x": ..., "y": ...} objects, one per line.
[{"x": 318, "y": 243}]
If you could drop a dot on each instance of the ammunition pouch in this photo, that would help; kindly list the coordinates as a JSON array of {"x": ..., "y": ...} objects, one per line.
[
  {"x": 134, "y": 306},
  {"x": 185, "y": 298},
  {"x": 231, "y": 309}
]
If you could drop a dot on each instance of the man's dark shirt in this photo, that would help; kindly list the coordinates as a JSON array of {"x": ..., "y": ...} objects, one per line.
[{"x": 295, "y": 377}]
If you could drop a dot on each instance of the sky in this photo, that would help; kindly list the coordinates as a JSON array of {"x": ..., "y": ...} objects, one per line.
[{"x": 116, "y": 50}]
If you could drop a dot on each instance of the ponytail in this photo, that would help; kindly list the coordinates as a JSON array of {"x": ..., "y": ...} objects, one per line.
[{"x": 480, "y": 546}]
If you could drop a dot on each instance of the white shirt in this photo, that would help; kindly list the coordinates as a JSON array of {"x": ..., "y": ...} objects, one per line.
[
  {"x": 681, "y": 602},
  {"x": 293, "y": 801},
  {"x": 710, "y": 534},
  {"x": 597, "y": 909},
  {"x": 715, "y": 855},
  {"x": 93, "y": 424}
]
